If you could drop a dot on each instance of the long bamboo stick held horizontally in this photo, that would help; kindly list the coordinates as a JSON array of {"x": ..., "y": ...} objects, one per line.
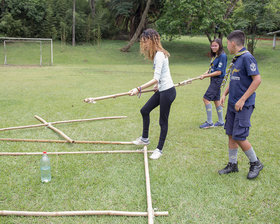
[
  {"x": 62, "y": 122},
  {"x": 93, "y": 100},
  {"x": 78, "y": 213}
]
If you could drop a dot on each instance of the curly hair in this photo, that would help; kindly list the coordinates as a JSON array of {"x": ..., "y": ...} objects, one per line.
[{"x": 154, "y": 44}]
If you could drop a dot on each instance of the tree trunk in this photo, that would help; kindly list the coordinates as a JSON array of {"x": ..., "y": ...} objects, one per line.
[
  {"x": 74, "y": 23},
  {"x": 92, "y": 7},
  {"x": 230, "y": 8},
  {"x": 2, "y": 8},
  {"x": 209, "y": 37},
  {"x": 139, "y": 28}
]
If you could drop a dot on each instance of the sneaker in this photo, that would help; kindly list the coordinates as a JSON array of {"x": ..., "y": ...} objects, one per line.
[
  {"x": 230, "y": 168},
  {"x": 255, "y": 168},
  {"x": 206, "y": 125},
  {"x": 156, "y": 154},
  {"x": 140, "y": 141},
  {"x": 219, "y": 124}
]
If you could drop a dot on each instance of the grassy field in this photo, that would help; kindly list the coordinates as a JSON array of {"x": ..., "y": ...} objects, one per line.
[{"x": 184, "y": 181}]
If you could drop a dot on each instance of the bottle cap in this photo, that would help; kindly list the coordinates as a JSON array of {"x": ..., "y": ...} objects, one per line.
[{"x": 44, "y": 152}]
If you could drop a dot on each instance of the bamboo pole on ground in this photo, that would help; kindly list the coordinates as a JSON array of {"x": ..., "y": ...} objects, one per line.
[
  {"x": 93, "y": 100},
  {"x": 63, "y": 141},
  {"x": 78, "y": 213},
  {"x": 62, "y": 122},
  {"x": 148, "y": 188},
  {"x": 54, "y": 129},
  {"x": 71, "y": 153}
]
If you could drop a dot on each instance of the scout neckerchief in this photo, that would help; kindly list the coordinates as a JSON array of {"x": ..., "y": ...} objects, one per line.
[
  {"x": 211, "y": 63},
  {"x": 230, "y": 66}
]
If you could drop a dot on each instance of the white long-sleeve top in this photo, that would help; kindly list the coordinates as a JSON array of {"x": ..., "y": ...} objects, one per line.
[{"x": 162, "y": 71}]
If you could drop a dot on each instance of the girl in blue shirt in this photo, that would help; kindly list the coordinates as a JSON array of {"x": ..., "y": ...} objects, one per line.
[{"x": 216, "y": 72}]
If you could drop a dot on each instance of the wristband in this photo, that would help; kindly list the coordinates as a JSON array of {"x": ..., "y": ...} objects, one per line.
[{"x": 139, "y": 91}]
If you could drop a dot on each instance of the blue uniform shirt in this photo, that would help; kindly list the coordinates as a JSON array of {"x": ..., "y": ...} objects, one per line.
[
  {"x": 240, "y": 78},
  {"x": 219, "y": 64}
]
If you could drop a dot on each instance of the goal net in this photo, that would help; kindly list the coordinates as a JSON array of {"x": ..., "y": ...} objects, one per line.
[{"x": 27, "y": 51}]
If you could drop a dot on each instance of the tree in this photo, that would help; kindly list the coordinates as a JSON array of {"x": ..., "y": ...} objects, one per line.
[
  {"x": 256, "y": 18},
  {"x": 92, "y": 7},
  {"x": 139, "y": 28},
  {"x": 211, "y": 18},
  {"x": 74, "y": 23}
]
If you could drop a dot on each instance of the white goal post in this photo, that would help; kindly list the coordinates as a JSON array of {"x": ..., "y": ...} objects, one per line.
[{"x": 34, "y": 40}]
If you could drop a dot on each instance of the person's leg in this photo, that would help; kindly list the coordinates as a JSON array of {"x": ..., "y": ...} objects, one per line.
[
  {"x": 208, "y": 107},
  {"x": 232, "y": 154},
  {"x": 232, "y": 150},
  {"x": 166, "y": 99},
  {"x": 240, "y": 133},
  {"x": 219, "y": 109},
  {"x": 232, "y": 144},
  {"x": 145, "y": 111},
  {"x": 152, "y": 103}
]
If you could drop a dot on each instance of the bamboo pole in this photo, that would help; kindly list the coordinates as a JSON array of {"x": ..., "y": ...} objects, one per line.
[
  {"x": 148, "y": 189},
  {"x": 54, "y": 129},
  {"x": 63, "y": 141},
  {"x": 23, "y": 127},
  {"x": 71, "y": 153},
  {"x": 78, "y": 213},
  {"x": 62, "y": 122},
  {"x": 93, "y": 100},
  {"x": 188, "y": 81},
  {"x": 89, "y": 119}
]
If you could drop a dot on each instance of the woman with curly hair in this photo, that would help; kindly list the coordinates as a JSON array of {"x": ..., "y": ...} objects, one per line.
[{"x": 151, "y": 48}]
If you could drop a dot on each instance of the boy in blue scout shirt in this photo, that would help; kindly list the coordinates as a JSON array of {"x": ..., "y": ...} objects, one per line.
[
  {"x": 216, "y": 72},
  {"x": 244, "y": 80}
]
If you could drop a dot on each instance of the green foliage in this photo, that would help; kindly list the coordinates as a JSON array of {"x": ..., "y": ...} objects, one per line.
[
  {"x": 256, "y": 18},
  {"x": 115, "y": 18},
  {"x": 195, "y": 17},
  {"x": 12, "y": 27}
]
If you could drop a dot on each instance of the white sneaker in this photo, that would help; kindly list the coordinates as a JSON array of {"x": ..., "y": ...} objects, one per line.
[
  {"x": 140, "y": 141},
  {"x": 156, "y": 154}
]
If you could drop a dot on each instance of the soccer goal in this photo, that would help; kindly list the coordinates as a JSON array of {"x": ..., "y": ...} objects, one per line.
[{"x": 27, "y": 51}]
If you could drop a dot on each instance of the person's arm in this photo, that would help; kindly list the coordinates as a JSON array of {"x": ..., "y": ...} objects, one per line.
[
  {"x": 252, "y": 88},
  {"x": 144, "y": 86},
  {"x": 223, "y": 98},
  {"x": 206, "y": 74}
]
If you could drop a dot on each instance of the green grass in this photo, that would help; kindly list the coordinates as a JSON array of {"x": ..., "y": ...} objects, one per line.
[{"x": 184, "y": 181}]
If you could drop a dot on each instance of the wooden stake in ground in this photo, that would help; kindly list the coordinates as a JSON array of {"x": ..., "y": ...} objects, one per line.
[{"x": 93, "y": 100}]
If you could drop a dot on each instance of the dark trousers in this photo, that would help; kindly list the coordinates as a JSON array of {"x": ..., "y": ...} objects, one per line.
[{"x": 164, "y": 99}]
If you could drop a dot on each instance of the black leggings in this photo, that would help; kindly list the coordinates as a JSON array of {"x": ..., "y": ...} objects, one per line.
[{"x": 164, "y": 99}]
